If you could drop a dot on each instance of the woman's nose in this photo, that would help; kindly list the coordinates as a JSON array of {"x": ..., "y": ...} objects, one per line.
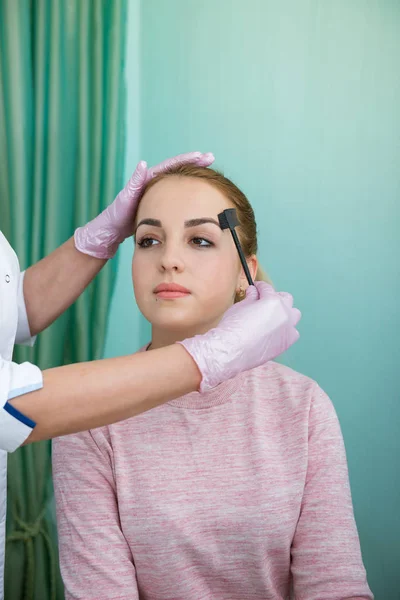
[{"x": 171, "y": 259}]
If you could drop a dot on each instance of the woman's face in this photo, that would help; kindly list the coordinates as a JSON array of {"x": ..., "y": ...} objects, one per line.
[{"x": 178, "y": 241}]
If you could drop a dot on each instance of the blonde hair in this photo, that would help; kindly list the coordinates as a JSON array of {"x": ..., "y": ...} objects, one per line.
[{"x": 247, "y": 229}]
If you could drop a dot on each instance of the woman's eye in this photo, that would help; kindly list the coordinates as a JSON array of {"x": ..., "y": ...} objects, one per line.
[
  {"x": 147, "y": 242},
  {"x": 202, "y": 242}
]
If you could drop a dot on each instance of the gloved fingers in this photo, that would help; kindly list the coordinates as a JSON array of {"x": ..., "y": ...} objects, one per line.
[
  {"x": 205, "y": 160},
  {"x": 294, "y": 336},
  {"x": 296, "y": 316},
  {"x": 196, "y": 158},
  {"x": 287, "y": 298},
  {"x": 264, "y": 289}
]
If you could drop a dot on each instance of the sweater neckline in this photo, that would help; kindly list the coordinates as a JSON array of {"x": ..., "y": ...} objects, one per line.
[
  {"x": 215, "y": 397},
  {"x": 201, "y": 400}
]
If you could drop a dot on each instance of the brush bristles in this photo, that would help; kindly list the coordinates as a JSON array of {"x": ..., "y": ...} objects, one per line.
[
  {"x": 223, "y": 221},
  {"x": 228, "y": 219}
]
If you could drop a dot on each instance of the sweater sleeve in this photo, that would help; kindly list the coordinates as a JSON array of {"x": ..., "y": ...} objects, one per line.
[
  {"x": 326, "y": 556},
  {"x": 95, "y": 559}
]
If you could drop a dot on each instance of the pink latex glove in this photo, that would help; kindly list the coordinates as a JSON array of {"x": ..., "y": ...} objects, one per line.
[
  {"x": 251, "y": 333},
  {"x": 102, "y": 236}
]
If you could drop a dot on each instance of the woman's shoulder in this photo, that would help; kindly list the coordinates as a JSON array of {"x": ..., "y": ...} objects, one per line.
[
  {"x": 281, "y": 383},
  {"x": 280, "y": 374},
  {"x": 287, "y": 390}
]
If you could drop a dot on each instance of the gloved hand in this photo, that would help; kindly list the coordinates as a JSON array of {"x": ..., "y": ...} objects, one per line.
[
  {"x": 102, "y": 236},
  {"x": 251, "y": 333}
]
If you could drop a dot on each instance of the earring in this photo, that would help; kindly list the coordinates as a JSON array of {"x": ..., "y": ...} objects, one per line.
[{"x": 240, "y": 294}]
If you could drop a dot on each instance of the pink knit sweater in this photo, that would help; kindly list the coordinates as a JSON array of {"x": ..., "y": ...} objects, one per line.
[{"x": 236, "y": 494}]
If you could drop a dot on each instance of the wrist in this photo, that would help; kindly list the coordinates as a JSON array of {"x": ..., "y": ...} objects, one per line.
[
  {"x": 201, "y": 348},
  {"x": 99, "y": 243},
  {"x": 189, "y": 366}
]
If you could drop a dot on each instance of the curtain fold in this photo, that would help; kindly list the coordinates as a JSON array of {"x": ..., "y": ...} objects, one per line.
[{"x": 61, "y": 162}]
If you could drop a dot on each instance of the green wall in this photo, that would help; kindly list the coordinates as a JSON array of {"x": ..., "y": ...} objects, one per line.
[{"x": 300, "y": 103}]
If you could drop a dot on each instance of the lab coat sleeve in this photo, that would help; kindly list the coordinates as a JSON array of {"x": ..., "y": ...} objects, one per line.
[
  {"x": 16, "y": 380},
  {"x": 23, "y": 335}
]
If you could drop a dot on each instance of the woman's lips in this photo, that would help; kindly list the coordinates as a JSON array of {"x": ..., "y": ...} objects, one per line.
[
  {"x": 169, "y": 291},
  {"x": 170, "y": 295}
]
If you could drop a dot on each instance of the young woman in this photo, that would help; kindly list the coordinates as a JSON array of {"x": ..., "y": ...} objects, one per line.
[{"x": 239, "y": 493}]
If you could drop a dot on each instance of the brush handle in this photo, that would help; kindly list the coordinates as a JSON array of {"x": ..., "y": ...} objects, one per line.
[{"x": 241, "y": 256}]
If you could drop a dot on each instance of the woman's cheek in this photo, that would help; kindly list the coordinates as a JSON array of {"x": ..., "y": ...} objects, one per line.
[
  {"x": 220, "y": 286},
  {"x": 139, "y": 277}
]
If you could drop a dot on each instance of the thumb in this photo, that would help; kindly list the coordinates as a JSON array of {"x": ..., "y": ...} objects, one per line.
[
  {"x": 251, "y": 295},
  {"x": 264, "y": 289}
]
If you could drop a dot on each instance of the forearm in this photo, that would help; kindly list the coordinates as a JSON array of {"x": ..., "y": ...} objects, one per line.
[
  {"x": 89, "y": 395},
  {"x": 55, "y": 282}
]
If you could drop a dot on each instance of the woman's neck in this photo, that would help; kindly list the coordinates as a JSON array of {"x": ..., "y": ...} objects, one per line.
[{"x": 161, "y": 337}]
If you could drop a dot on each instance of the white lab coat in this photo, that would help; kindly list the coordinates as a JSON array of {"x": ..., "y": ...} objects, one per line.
[{"x": 14, "y": 379}]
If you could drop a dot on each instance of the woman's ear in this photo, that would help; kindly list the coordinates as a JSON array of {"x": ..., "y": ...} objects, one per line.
[{"x": 252, "y": 263}]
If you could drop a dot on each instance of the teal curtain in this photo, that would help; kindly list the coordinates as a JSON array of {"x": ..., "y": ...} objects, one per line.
[{"x": 61, "y": 162}]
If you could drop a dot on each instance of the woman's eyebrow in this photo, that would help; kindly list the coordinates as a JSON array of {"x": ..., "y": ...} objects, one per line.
[
  {"x": 201, "y": 221},
  {"x": 153, "y": 222},
  {"x": 190, "y": 223}
]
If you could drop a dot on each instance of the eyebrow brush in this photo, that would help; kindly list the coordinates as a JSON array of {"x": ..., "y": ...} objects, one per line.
[{"x": 228, "y": 220}]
